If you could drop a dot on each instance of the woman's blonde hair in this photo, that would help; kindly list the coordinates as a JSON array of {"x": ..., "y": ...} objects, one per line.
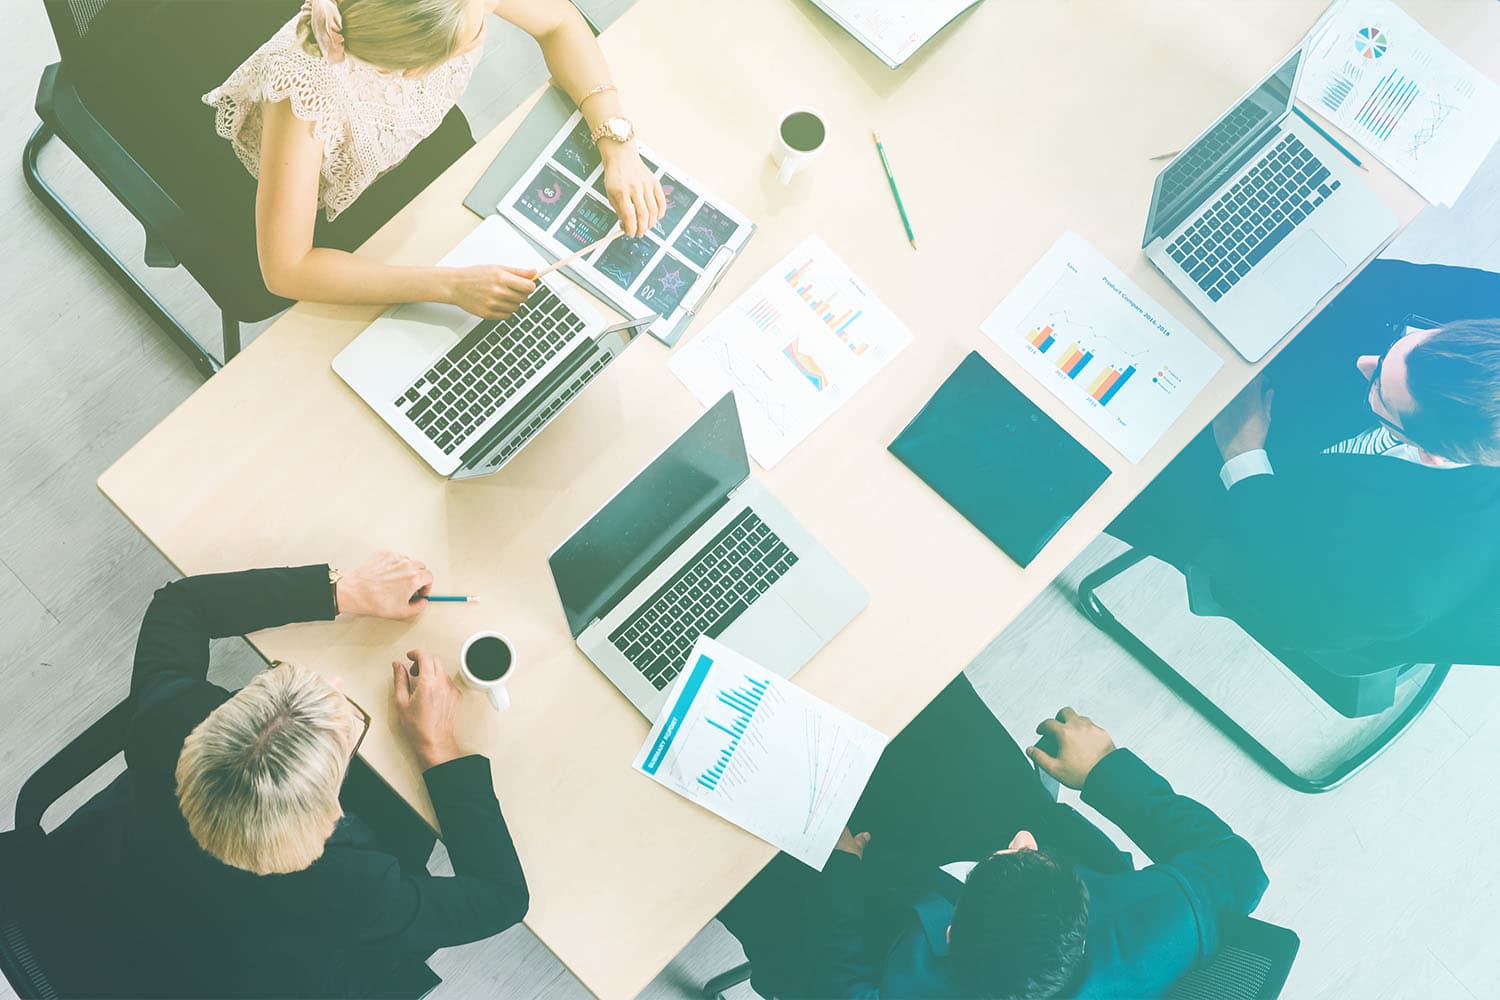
[
  {"x": 398, "y": 34},
  {"x": 258, "y": 780}
]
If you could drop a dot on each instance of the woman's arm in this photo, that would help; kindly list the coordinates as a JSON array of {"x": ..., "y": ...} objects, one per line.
[
  {"x": 577, "y": 64},
  {"x": 286, "y": 207}
]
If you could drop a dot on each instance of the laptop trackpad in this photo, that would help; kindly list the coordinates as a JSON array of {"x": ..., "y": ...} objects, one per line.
[
  {"x": 773, "y": 635},
  {"x": 1304, "y": 272}
]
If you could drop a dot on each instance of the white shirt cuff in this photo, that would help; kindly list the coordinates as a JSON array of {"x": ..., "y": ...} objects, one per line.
[{"x": 1245, "y": 465}]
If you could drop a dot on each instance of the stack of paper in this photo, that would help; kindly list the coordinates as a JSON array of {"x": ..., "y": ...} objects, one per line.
[
  {"x": 804, "y": 338},
  {"x": 1428, "y": 115},
  {"x": 757, "y": 750},
  {"x": 894, "y": 29}
]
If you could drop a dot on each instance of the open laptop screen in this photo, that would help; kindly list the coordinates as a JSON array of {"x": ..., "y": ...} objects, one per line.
[
  {"x": 1199, "y": 169},
  {"x": 649, "y": 518}
]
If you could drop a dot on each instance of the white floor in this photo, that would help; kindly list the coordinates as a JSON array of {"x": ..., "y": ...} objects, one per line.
[{"x": 1393, "y": 882}]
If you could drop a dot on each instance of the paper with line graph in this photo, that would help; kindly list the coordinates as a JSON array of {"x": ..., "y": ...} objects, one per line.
[
  {"x": 799, "y": 342},
  {"x": 1120, "y": 361},
  {"x": 755, "y": 749},
  {"x": 1397, "y": 91}
]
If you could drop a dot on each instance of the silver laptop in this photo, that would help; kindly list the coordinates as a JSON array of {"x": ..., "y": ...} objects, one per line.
[
  {"x": 693, "y": 546},
  {"x": 1261, "y": 217},
  {"x": 468, "y": 394}
]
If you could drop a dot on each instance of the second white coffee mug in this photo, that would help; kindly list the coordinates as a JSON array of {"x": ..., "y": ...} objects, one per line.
[
  {"x": 487, "y": 661},
  {"x": 801, "y": 134}
]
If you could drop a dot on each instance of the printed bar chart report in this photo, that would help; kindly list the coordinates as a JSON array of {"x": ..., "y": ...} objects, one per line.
[
  {"x": 1121, "y": 362},
  {"x": 793, "y": 347},
  {"x": 757, "y": 750}
]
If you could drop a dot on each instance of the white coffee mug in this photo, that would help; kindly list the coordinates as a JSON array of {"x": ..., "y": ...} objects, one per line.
[
  {"x": 490, "y": 668},
  {"x": 801, "y": 134}
]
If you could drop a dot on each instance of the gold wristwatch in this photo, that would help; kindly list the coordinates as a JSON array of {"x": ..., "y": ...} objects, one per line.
[
  {"x": 616, "y": 129},
  {"x": 334, "y": 576}
]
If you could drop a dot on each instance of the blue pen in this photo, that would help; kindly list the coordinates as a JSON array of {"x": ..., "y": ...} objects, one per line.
[
  {"x": 1331, "y": 140},
  {"x": 452, "y": 599}
]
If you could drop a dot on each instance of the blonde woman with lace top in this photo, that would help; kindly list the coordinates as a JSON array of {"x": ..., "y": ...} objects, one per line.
[{"x": 345, "y": 92}]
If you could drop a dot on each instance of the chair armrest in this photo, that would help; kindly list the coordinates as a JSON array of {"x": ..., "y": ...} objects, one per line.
[
  {"x": 59, "y": 104},
  {"x": 84, "y": 754}
]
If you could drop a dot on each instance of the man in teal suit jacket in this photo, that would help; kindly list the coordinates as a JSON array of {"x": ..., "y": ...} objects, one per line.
[{"x": 1022, "y": 924}]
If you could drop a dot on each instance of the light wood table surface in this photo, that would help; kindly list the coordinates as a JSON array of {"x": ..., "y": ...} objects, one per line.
[{"x": 1024, "y": 119}]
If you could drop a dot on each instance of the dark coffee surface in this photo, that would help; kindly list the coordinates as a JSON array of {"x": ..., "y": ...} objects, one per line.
[
  {"x": 803, "y": 131},
  {"x": 488, "y": 658}
]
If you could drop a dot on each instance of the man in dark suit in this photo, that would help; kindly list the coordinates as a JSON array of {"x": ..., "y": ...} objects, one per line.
[
  {"x": 963, "y": 892},
  {"x": 1343, "y": 503},
  {"x": 239, "y": 873}
]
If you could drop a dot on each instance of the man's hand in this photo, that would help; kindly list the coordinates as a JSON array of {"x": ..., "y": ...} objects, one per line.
[
  {"x": 852, "y": 843},
  {"x": 1074, "y": 746},
  {"x": 426, "y": 702},
  {"x": 1246, "y": 421},
  {"x": 386, "y": 586}
]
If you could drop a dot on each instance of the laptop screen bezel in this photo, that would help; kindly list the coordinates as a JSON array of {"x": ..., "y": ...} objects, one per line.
[
  {"x": 1157, "y": 225},
  {"x": 583, "y": 613}
]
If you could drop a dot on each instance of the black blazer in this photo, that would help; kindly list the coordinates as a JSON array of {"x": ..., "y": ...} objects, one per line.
[
  {"x": 350, "y": 924},
  {"x": 1360, "y": 554},
  {"x": 1146, "y": 928}
]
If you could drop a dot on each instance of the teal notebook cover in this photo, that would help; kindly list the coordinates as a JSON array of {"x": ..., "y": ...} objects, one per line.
[{"x": 999, "y": 460}]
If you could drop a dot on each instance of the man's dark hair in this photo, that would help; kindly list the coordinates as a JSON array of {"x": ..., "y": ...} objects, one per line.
[
  {"x": 1454, "y": 377},
  {"x": 1019, "y": 928}
]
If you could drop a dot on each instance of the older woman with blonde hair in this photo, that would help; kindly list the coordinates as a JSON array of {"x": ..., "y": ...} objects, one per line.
[
  {"x": 345, "y": 91},
  {"x": 262, "y": 857}
]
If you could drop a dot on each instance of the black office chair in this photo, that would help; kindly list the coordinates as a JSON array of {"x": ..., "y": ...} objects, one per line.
[
  {"x": 42, "y": 953},
  {"x": 1354, "y": 690},
  {"x": 73, "y": 104}
]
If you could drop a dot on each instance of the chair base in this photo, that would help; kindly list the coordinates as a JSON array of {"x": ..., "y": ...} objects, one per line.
[
  {"x": 715, "y": 987},
  {"x": 206, "y": 363},
  {"x": 1099, "y": 614}
]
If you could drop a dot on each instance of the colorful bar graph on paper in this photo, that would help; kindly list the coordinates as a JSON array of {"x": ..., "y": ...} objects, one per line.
[
  {"x": 1041, "y": 337},
  {"x": 742, "y": 703},
  {"x": 1387, "y": 103},
  {"x": 1074, "y": 360},
  {"x": 840, "y": 321},
  {"x": 1109, "y": 382}
]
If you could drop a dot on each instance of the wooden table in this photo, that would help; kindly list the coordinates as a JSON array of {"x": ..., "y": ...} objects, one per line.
[{"x": 1025, "y": 119}]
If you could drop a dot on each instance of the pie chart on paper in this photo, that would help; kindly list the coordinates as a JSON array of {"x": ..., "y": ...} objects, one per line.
[{"x": 1370, "y": 43}]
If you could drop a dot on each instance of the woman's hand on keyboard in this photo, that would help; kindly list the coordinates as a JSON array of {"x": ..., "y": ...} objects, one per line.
[{"x": 490, "y": 290}]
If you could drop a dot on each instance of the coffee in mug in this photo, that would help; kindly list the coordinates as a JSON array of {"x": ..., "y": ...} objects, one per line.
[{"x": 486, "y": 664}]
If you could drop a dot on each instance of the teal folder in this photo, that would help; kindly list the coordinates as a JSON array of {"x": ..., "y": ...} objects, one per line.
[{"x": 999, "y": 460}]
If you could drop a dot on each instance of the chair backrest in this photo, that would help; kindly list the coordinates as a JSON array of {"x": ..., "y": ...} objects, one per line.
[
  {"x": 71, "y": 22},
  {"x": 1252, "y": 963}
]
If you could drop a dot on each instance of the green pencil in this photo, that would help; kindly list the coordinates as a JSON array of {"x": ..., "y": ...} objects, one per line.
[{"x": 895, "y": 192}]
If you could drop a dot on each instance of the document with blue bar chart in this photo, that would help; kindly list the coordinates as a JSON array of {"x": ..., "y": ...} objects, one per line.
[{"x": 758, "y": 751}]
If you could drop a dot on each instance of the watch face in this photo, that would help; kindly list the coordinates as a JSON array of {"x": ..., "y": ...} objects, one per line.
[{"x": 619, "y": 129}]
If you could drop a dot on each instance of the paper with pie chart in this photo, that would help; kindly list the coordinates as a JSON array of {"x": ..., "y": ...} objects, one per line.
[
  {"x": 560, "y": 203},
  {"x": 800, "y": 341},
  {"x": 1395, "y": 90},
  {"x": 1108, "y": 350}
]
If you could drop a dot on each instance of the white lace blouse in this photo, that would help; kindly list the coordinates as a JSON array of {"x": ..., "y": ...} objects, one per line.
[{"x": 368, "y": 119}]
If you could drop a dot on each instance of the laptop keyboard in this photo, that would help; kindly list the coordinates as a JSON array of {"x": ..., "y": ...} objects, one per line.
[
  {"x": 704, "y": 597},
  {"x": 483, "y": 371},
  {"x": 1252, "y": 217}
]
